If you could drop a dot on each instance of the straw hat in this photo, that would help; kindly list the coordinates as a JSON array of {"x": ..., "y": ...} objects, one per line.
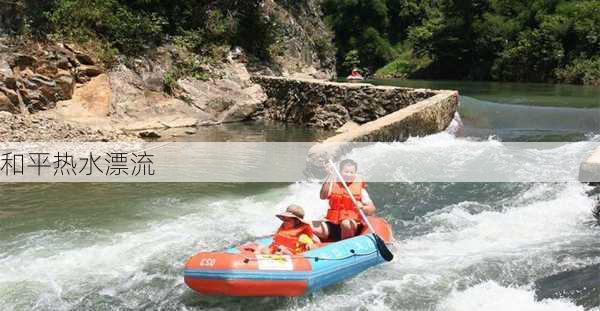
[{"x": 293, "y": 211}]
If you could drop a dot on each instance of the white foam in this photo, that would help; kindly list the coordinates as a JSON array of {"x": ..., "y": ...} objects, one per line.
[
  {"x": 490, "y": 296},
  {"x": 445, "y": 158},
  {"x": 520, "y": 229}
]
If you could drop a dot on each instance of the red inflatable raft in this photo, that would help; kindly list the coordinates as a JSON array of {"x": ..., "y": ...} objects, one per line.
[{"x": 236, "y": 272}]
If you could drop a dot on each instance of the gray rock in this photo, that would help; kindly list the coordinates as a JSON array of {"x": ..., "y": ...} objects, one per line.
[
  {"x": 89, "y": 70},
  {"x": 5, "y": 103},
  {"x": 63, "y": 63},
  {"x": 149, "y": 134},
  {"x": 23, "y": 61},
  {"x": 239, "y": 112},
  {"x": 84, "y": 59},
  {"x": 66, "y": 86},
  {"x": 154, "y": 81},
  {"x": 11, "y": 94},
  {"x": 10, "y": 82},
  {"x": 206, "y": 123},
  {"x": 5, "y": 69}
]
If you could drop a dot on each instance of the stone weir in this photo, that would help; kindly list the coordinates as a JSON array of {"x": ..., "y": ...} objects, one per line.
[{"x": 361, "y": 112}]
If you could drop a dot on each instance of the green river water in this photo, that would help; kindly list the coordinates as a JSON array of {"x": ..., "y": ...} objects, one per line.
[{"x": 460, "y": 246}]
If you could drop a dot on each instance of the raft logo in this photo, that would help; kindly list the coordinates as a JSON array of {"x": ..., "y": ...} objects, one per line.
[
  {"x": 275, "y": 262},
  {"x": 208, "y": 262}
]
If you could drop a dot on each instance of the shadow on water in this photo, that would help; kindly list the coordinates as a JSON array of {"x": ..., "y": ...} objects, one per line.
[{"x": 256, "y": 131}]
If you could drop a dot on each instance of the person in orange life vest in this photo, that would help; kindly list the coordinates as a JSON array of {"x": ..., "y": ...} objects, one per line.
[
  {"x": 343, "y": 220},
  {"x": 294, "y": 236}
]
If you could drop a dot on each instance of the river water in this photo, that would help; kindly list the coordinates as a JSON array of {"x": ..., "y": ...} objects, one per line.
[{"x": 460, "y": 246}]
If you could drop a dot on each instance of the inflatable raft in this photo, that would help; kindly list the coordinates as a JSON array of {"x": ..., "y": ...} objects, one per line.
[{"x": 236, "y": 272}]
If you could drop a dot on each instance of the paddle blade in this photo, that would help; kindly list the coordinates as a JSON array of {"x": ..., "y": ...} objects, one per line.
[{"x": 383, "y": 249}]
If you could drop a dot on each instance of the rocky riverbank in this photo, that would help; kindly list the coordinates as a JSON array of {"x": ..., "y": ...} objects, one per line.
[
  {"x": 59, "y": 82},
  {"x": 163, "y": 87},
  {"x": 20, "y": 128}
]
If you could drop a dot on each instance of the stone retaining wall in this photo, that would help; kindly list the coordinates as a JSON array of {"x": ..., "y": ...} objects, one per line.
[{"x": 329, "y": 104}]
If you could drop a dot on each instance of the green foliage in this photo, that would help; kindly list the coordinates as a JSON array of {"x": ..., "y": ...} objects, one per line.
[
  {"x": 351, "y": 60},
  {"x": 511, "y": 40},
  {"x": 404, "y": 65},
  {"x": 533, "y": 57},
  {"x": 375, "y": 50},
  {"x": 108, "y": 20},
  {"x": 581, "y": 71},
  {"x": 360, "y": 25},
  {"x": 189, "y": 67},
  {"x": 133, "y": 26}
]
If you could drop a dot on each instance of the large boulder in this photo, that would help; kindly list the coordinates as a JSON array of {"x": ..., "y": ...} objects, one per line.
[{"x": 135, "y": 107}]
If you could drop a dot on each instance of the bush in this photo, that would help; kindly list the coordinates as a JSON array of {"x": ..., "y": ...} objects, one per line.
[
  {"x": 351, "y": 60},
  {"x": 132, "y": 27},
  {"x": 189, "y": 67},
  {"x": 533, "y": 57},
  {"x": 108, "y": 20},
  {"x": 581, "y": 71}
]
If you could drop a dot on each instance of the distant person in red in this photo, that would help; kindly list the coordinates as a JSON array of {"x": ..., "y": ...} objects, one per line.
[
  {"x": 355, "y": 75},
  {"x": 343, "y": 220}
]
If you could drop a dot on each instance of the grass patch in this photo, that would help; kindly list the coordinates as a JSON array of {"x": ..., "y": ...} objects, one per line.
[{"x": 403, "y": 67}]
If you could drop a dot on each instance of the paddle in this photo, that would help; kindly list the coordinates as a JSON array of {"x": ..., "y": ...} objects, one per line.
[{"x": 381, "y": 247}]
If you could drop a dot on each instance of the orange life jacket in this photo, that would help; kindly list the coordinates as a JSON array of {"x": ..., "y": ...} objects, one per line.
[
  {"x": 340, "y": 204},
  {"x": 290, "y": 238}
]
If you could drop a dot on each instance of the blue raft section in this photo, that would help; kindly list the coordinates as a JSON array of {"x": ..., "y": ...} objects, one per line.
[{"x": 332, "y": 263}]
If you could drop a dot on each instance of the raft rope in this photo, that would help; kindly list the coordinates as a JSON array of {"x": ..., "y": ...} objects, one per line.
[{"x": 317, "y": 258}]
